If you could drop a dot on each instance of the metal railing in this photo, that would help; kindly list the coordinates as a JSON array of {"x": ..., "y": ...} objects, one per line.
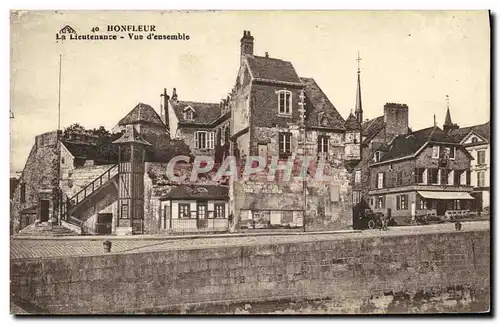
[
  {"x": 94, "y": 185},
  {"x": 194, "y": 225}
]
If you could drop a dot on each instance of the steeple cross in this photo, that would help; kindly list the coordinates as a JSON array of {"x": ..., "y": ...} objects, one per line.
[{"x": 358, "y": 59}]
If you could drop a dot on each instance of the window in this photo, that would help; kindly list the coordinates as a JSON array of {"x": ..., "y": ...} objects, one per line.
[
  {"x": 371, "y": 201},
  {"x": 357, "y": 176},
  {"x": 202, "y": 211},
  {"x": 463, "y": 177},
  {"x": 443, "y": 176},
  {"x": 62, "y": 160},
  {"x": 451, "y": 177},
  {"x": 420, "y": 175},
  {"x": 380, "y": 180},
  {"x": 377, "y": 156},
  {"x": 356, "y": 197},
  {"x": 204, "y": 140},
  {"x": 399, "y": 178},
  {"x": 401, "y": 202},
  {"x": 188, "y": 115},
  {"x": 456, "y": 204},
  {"x": 422, "y": 204},
  {"x": 285, "y": 102},
  {"x": 219, "y": 211},
  {"x": 474, "y": 140},
  {"x": 285, "y": 144},
  {"x": 380, "y": 202},
  {"x": 480, "y": 178},
  {"x": 184, "y": 211},
  {"x": 481, "y": 157},
  {"x": 452, "y": 152},
  {"x": 433, "y": 176},
  {"x": 124, "y": 211},
  {"x": 435, "y": 152},
  {"x": 323, "y": 144},
  {"x": 22, "y": 194}
]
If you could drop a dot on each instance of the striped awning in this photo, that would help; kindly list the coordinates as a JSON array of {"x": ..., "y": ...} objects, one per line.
[{"x": 445, "y": 195}]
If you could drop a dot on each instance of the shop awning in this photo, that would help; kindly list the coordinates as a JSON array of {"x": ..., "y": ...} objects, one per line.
[{"x": 445, "y": 195}]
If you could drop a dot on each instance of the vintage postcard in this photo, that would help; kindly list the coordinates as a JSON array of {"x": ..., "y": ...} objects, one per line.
[{"x": 250, "y": 162}]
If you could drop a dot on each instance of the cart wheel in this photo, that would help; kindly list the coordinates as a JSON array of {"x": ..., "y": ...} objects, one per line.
[{"x": 371, "y": 224}]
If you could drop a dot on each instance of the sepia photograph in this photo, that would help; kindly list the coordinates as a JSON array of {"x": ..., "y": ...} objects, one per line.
[{"x": 231, "y": 162}]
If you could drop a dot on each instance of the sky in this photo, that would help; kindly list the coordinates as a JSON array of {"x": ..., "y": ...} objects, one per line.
[{"x": 412, "y": 57}]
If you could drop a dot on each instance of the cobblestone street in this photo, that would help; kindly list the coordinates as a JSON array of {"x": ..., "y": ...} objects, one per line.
[{"x": 91, "y": 245}]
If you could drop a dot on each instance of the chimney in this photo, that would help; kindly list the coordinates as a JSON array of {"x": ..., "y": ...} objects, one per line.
[
  {"x": 165, "y": 108},
  {"x": 395, "y": 119},
  {"x": 246, "y": 44},
  {"x": 174, "y": 95}
]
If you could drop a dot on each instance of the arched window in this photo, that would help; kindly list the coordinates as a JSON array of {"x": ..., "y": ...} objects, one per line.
[{"x": 474, "y": 140}]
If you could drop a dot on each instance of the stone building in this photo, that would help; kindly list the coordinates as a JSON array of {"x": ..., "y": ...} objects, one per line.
[
  {"x": 425, "y": 172},
  {"x": 277, "y": 114},
  {"x": 204, "y": 127},
  {"x": 477, "y": 141}
]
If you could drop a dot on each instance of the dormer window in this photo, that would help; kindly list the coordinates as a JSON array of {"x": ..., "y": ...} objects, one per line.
[
  {"x": 284, "y": 102},
  {"x": 188, "y": 113},
  {"x": 377, "y": 156}
]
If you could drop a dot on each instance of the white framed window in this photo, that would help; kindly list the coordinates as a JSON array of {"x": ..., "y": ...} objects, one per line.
[
  {"x": 204, "y": 140},
  {"x": 284, "y": 102},
  {"x": 481, "y": 178},
  {"x": 285, "y": 144},
  {"x": 435, "y": 152},
  {"x": 481, "y": 157},
  {"x": 323, "y": 144},
  {"x": 380, "y": 202},
  {"x": 463, "y": 177},
  {"x": 188, "y": 115},
  {"x": 357, "y": 176},
  {"x": 380, "y": 180}
]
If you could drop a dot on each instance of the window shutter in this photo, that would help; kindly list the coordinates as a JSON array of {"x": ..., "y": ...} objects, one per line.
[
  {"x": 319, "y": 145},
  {"x": 406, "y": 201},
  {"x": 383, "y": 180},
  {"x": 468, "y": 177},
  {"x": 398, "y": 202},
  {"x": 197, "y": 140}
]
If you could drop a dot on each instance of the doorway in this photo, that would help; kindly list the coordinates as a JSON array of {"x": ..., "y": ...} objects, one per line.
[
  {"x": 263, "y": 151},
  {"x": 44, "y": 210},
  {"x": 441, "y": 207}
]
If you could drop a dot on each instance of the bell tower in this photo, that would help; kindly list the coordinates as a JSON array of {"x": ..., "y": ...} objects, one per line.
[{"x": 131, "y": 167}]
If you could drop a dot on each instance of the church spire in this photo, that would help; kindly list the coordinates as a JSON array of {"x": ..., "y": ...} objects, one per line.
[
  {"x": 447, "y": 120},
  {"x": 359, "y": 107},
  {"x": 448, "y": 124}
]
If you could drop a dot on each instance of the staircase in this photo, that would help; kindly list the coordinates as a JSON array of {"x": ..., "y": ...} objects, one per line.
[{"x": 75, "y": 209}]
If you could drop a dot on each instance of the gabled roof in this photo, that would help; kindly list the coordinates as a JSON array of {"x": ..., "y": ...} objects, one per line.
[
  {"x": 371, "y": 127},
  {"x": 204, "y": 112},
  {"x": 406, "y": 145},
  {"x": 271, "y": 69},
  {"x": 193, "y": 192},
  {"x": 482, "y": 130},
  {"x": 352, "y": 123},
  {"x": 318, "y": 107},
  {"x": 142, "y": 113}
]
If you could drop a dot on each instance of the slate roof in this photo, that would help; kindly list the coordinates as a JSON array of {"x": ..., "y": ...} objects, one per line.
[
  {"x": 371, "y": 127},
  {"x": 352, "y": 123},
  {"x": 204, "y": 112},
  {"x": 483, "y": 130},
  {"x": 405, "y": 145},
  {"x": 193, "y": 192},
  {"x": 318, "y": 106},
  {"x": 142, "y": 113},
  {"x": 272, "y": 69}
]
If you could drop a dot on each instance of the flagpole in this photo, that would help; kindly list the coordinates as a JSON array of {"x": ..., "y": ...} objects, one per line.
[{"x": 59, "y": 99}]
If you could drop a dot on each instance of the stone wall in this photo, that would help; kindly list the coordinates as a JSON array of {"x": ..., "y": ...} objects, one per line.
[
  {"x": 39, "y": 176},
  {"x": 356, "y": 274}
]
